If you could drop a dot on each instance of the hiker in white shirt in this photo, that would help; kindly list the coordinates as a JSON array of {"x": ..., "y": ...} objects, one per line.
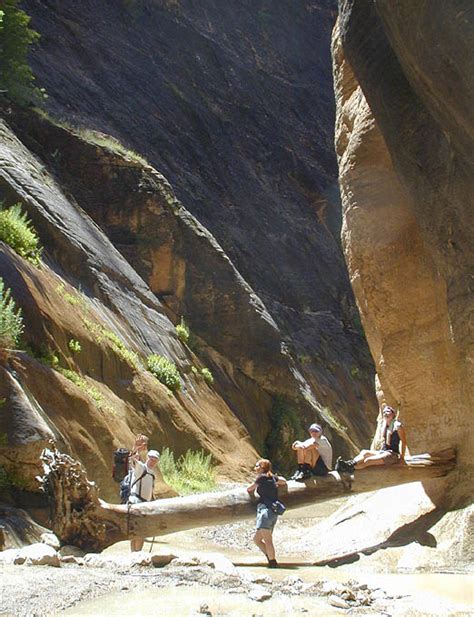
[
  {"x": 142, "y": 483},
  {"x": 314, "y": 456}
]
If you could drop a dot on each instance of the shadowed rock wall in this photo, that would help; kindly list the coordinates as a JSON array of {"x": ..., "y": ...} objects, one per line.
[{"x": 233, "y": 103}]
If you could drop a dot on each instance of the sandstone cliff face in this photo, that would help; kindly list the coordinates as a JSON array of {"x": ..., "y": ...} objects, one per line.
[
  {"x": 85, "y": 290},
  {"x": 233, "y": 103},
  {"x": 405, "y": 150}
]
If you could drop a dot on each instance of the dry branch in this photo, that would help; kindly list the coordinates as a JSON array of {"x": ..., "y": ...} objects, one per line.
[{"x": 80, "y": 518}]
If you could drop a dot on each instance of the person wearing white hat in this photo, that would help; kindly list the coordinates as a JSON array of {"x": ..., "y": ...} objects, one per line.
[
  {"x": 314, "y": 456},
  {"x": 142, "y": 483}
]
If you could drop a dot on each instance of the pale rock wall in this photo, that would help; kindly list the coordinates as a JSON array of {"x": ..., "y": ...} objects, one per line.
[{"x": 401, "y": 291}]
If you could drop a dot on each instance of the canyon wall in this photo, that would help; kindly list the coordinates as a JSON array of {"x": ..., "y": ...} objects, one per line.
[
  {"x": 233, "y": 103},
  {"x": 404, "y": 84}
]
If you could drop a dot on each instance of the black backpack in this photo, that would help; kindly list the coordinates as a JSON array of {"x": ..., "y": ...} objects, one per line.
[
  {"x": 126, "y": 485},
  {"x": 120, "y": 466}
]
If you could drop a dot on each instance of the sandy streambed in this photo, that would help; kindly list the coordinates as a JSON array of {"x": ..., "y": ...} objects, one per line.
[{"x": 249, "y": 589}]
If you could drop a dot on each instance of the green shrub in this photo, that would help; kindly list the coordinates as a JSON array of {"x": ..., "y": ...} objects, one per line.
[
  {"x": 182, "y": 330},
  {"x": 165, "y": 371},
  {"x": 17, "y": 231},
  {"x": 74, "y": 346},
  {"x": 355, "y": 372},
  {"x": 16, "y": 77},
  {"x": 208, "y": 376},
  {"x": 49, "y": 358},
  {"x": 193, "y": 472},
  {"x": 286, "y": 427},
  {"x": 11, "y": 320}
]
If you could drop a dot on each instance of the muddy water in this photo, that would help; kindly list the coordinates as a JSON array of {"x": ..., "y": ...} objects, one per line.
[{"x": 420, "y": 594}]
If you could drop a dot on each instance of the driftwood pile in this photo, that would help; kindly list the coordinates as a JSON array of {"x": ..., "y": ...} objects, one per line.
[{"x": 80, "y": 518}]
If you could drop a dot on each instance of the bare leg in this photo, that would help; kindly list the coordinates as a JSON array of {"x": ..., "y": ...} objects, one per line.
[
  {"x": 369, "y": 461},
  {"x": 268, "y": 540},
  {"x": 300, "y": 456},
  {"x": 308, "y": 457},
  {"x": 136, "y": 544},
  {"x": 259, "y": 541},
  {"x": 363, "y": 455}
]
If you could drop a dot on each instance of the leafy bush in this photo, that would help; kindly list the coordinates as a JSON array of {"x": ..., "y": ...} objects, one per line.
[
  {"x": 285, "y": 428},
  {"x": 17, "y": 231},
  {"x": 49, "y": 358},
  {"x": 165, "y": 371},
  {"x": 74, "y": 346},
  {"x": 182, "y": 331},
  {"x": 193, "y": 472},
  {"x": 11, "y": 320},
  {"x": 208, "y": 376},
  {"x": 16, "y": 77}
]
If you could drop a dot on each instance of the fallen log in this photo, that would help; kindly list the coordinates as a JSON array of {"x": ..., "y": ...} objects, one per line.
[{"x": 80, "y": 518}]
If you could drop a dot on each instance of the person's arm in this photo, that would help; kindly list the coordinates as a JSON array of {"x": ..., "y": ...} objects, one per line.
[
  {"x": 251, "y": 488},
  {"x": 297, "y": 445},
  {"x": 403, "y": 441}
]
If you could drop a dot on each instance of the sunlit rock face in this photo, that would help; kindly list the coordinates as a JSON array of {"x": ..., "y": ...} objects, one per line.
[{"x": 404, "y": 128}]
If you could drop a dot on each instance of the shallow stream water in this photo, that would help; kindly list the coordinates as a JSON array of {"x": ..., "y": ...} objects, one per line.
[{"x": 421, "y": 593}]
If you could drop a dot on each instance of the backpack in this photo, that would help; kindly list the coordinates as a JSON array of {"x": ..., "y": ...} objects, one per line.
[
  {"x": 126, "y": 485},
  {"x": 120, "y": 466}
]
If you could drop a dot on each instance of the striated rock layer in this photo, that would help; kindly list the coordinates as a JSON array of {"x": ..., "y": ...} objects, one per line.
[
  {"x": 404, "y": 138},
  {"x": 232, "y": 102}
]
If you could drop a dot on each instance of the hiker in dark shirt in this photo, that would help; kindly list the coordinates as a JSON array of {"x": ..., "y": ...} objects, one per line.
[
  {"x": 266, "y": 485},
  {"x": 393, "y": 447}
]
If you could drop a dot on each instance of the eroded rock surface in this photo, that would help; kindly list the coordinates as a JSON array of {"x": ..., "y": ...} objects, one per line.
[{"x": 405, "y": 150}]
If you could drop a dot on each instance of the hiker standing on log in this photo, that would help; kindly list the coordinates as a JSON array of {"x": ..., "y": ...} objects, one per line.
[
  {"x": 393, "y": 448},
  {"x": 268, "y": 508},
  {"x": 314, "y": 456}
]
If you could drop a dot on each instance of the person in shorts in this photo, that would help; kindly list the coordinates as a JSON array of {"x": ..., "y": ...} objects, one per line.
[
  {"x": 266, "y": 485},
  {"x": 392, "y": 451},
  {"x": 314, "y": 456}
]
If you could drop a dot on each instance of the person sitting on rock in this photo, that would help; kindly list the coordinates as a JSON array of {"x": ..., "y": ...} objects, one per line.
[
  {"x": 314, "y": 456},
  {"x": 393, "y": 448}
]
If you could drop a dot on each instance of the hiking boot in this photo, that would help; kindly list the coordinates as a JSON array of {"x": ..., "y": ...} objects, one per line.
[
  {"x": 344, "y": 466},
  {"x": 304, "y": 475},
  {"x": 297, "y": 475},
  {"x": 272, "y": 563}
]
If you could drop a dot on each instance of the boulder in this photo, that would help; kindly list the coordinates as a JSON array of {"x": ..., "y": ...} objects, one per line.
[
  {"x": 70, "y": 550},
  {"x": 51, "y": 540},
  {"x": 12, "y": 556},
  {"x": 259, "y": 594},
  {"x": 40, "y": 555}
]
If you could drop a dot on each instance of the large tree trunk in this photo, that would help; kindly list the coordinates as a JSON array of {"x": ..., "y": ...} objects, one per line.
[{"x": 79, "y": 517}]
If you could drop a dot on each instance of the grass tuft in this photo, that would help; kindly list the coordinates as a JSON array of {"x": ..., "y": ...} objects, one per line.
[
  {"x": 182, "y": 330},
  {"x": 11, "y": 320},
  {"x": 17, "y": 231},
  {"x": 165, "y": 371},
  {"x": 193, "y": 472}
]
